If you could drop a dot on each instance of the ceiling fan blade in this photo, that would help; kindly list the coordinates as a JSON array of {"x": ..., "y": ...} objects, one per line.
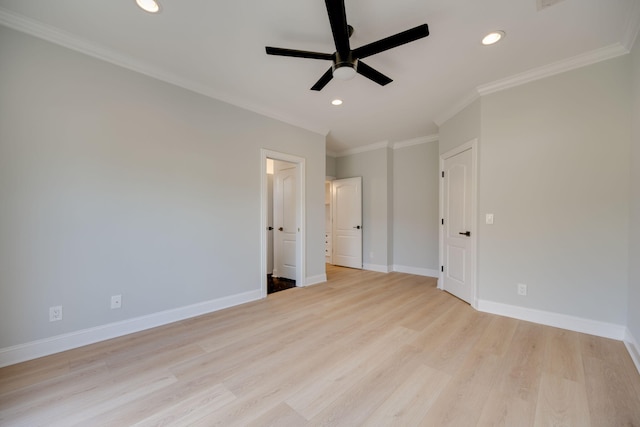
[
  {"x": 326, "y": 78},
  {"x": 338, "y": 21},
  {"x": 298, "y": 53},
  {"x": 392, "y": 41},
  {"x": 372, "y": 74}
]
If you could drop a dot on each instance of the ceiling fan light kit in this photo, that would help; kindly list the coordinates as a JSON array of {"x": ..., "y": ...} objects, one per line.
[
  {"x": 346, "y": 61},
  {"x": 345, "y": 71}
]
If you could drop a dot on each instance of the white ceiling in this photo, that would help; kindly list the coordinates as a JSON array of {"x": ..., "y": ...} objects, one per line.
[{"x": 217, "y": 48}]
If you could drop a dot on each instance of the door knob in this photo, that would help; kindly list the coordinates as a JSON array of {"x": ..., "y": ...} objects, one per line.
[
  {"x": 269, "y": 228},
  {"x": 466, "y": 233},
  {"x": 281, "y": 229},
  {"x": 357, "y": 226}
]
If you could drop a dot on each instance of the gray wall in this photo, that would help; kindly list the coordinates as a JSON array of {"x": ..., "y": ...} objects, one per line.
[
  {"x": 331, "y": 166},
  {"x": 373, "y": 167},
  {"x": 461, "y": 128},
  {"x": 415, "y": 206},
  {"x": 115, "y": 183},
  {"x": 400, "y": 205},
  {"x": 634, "y": 247},
  {"x": 554, "y": 170},
  {"x": 390, "y": 211}
]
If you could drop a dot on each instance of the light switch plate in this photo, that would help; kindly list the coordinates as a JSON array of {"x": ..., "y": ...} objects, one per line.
[{"x": 489, "y": 219}]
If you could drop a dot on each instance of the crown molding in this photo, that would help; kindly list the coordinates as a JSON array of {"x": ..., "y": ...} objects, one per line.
[
  {"x": 578, "y": 61},
  {"x": 73, "y": 42},
  {"x": 332, "y": 153},
  {"x": 416, "y": 141},
  {"x": 357, "y": 150}
]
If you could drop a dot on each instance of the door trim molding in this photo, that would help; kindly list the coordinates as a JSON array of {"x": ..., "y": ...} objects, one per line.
[
  {"x": 301, "y": 248},
  {"x": 473, "y": 146}
]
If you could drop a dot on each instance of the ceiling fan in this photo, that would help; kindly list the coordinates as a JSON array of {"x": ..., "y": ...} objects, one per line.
[{"x": 346, "y": 61}]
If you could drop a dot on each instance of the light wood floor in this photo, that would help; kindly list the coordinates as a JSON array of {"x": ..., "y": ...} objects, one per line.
[{"x": 363, "y": 349}]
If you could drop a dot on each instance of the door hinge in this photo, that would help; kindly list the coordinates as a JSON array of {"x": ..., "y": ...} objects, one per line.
[
  {"x": 442, "y": 221},
  {"x": 442, "y": 268},
  {"x": 443, "y": 174}
]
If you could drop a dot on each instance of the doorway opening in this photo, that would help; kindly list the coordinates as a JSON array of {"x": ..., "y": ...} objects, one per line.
[
  {"x": 283, "y": 222},
  {"x": 277, "y": 284}
]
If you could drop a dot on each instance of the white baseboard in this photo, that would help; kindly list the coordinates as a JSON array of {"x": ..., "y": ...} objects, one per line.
[
  {"x": 563, "y": 321},
  {"x": 314, "y": 280},
  {"x": 633, "y": 348},
  {"x": 376, "y": 267},
  {"x": 47, "y": 346},
  {"x": 416, "y": 270}
]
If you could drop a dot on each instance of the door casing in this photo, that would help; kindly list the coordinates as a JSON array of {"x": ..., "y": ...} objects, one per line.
[
  {"x": 473, "y": 146},
  {"x": 301, "y": 249}
]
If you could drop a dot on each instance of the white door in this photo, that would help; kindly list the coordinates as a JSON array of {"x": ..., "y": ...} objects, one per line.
[
  {"x": 270, "y": 223},
  {"x": 346, "y": 204},
  {"x": 458, "y": 229},
  {"x": 285, "y": 221}
]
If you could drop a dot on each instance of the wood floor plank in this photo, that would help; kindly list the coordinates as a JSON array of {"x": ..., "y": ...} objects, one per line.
[
  {"x": 561, "y": 402},
  {"x": 563, "y": 356},
  {"x": 613, "y": 399},
  {"x": 36, "y": 405},
  {"x": 73, "y": 408},
  {"x": 513, "y": 398},
  {"x": 186, "y": 411},
  {"x": 497, "y": 337},
  {"x": 355, "y": 404},
  {"x": 365, "y": 348},
  {"x": 99, "y": 406},
  {"x": 356, "y": 365},
  {"x": 463, "y": 399},
  {"x": 32, "y": 372},
  {"x": 450, "y": 353},
  {"x": 523, "y": 362},
  {"x": 411, "y": 400},
  {"x": 177, "y": 395},
  {"x": 280, "y": 416},
  {"x": 503, "y": 410},
  {"x": 436, "y": 303}
]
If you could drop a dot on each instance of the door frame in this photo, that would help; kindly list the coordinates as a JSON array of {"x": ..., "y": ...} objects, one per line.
[
  {"x": 473, "y": 146},
  {"x": 301, "y": 249}
]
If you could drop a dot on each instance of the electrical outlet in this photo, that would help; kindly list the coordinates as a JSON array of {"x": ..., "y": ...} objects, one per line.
[
  {"x": 55, "y": 313},
  {"x": 116, "y": 301},
  {"x": 522, "y": 289}
]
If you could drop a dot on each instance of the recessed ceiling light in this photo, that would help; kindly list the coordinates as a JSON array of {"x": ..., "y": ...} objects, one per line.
[
  {"x": 151, "y": 6},
  {"x": 493, "y": 37},
  {"x": 336, "y": 102}
]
